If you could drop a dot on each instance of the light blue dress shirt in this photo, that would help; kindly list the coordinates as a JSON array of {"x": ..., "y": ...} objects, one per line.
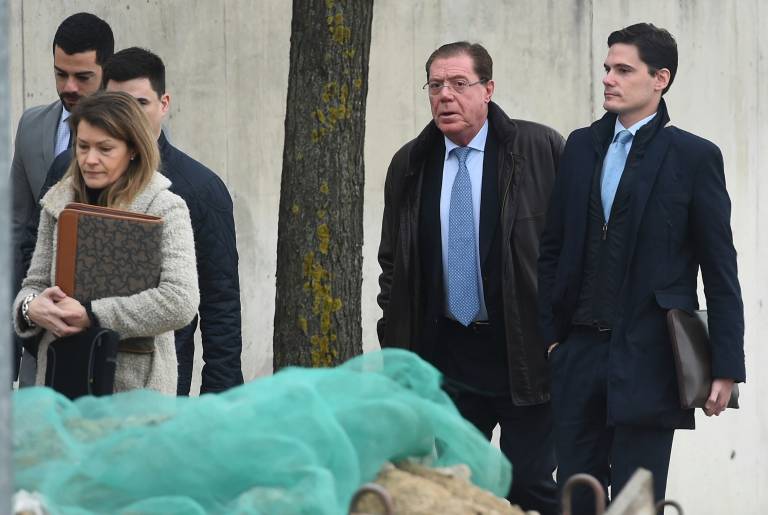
[
  {"x": 62, "y": 133},
  {"x": 618, "y": 127}
]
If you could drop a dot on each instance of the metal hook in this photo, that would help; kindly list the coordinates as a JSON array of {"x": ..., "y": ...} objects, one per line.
[
  {"x": 666, "y": 502},
  {"x": 585, "y": 480},
  {"x": 378, "y": 491}
]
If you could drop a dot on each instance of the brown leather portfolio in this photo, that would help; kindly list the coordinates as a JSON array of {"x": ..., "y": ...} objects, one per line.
[
  {"x": 689, "y": 335},
  {"x": 103, "y": 252}
]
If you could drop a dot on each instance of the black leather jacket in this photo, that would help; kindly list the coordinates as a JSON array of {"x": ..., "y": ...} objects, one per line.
[{"x": 528, "y": 160}]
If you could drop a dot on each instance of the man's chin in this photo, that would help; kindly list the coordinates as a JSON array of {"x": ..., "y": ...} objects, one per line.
[
  {"x": 69, "y": 104},
  {"x": 611, "y": 107},
  {"x": 451, "y": 128}
]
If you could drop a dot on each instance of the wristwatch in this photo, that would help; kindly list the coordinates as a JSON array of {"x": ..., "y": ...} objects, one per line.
[{"x": 25, "y": 309}]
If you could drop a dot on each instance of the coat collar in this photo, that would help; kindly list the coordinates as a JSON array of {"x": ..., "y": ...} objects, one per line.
[
  {"x": 602, "y": 129},
  {"x": 165, "y": 151},
  {"x": 62, "y": 194},
  {"x": 503, "y": 127}
]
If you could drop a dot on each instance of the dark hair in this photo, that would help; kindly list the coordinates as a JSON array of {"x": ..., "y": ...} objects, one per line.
[
  {"x": 135, "y": 63},
  {"x": 83, "y": 32},
  {"x": 481, "y": 60},
  {"x": 655, "y": 46}
]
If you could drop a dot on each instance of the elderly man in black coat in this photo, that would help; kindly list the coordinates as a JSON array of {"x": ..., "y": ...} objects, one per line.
[{"x": 464, "y": 207}]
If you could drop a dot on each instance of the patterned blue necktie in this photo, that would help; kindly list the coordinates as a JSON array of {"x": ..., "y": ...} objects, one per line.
[
  {"x": 62, "y": 136},
  {"x": 613, "y": 167},
  {"x": 462, "y": 288}
]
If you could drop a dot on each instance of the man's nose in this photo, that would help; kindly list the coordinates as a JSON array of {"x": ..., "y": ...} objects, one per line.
[
  {"x": 70, "y": 85},
  {"x": 446, "y": 92}
]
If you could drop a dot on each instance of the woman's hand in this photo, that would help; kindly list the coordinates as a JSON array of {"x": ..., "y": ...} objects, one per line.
[
  {"x": 54, "y": 311},
  {"x": 79, "y": 317}
]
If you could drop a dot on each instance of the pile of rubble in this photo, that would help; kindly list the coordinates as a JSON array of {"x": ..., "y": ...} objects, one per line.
[{"x": 411, "y": 489}]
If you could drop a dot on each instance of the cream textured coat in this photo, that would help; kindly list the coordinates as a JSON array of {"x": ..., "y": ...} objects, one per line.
[{"x": 156, "y": 312}]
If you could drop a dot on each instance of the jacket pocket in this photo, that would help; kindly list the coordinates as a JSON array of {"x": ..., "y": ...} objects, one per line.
[{"x": 676, "y": 300}]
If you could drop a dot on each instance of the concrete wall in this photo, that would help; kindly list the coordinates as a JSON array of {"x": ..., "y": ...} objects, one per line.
[{"x": 228, "y": 65}]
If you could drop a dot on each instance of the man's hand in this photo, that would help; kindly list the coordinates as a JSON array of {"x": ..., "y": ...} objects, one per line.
[
  {"x": 50, "y": 311},
  {"x": 719, "y": 396}
]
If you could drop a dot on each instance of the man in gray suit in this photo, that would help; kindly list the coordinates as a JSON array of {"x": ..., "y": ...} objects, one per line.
[{"x": 81, "y": 44}]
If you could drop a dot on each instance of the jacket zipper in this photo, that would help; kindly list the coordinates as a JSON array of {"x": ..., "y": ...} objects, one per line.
[{"x": 509, "y": 183}]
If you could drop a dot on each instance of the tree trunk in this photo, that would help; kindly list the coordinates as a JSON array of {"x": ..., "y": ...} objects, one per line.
[{"x": 320, "y": 229}]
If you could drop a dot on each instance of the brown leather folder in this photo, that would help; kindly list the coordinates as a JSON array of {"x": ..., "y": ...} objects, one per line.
[
  {"x": 689, "y": 335},
  {"x": 103, "y": 252}
]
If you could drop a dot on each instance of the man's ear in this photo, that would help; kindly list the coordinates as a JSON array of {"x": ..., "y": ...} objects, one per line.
[
  {"x": 489, "y": 87},
  {"x": 662, "y": 79},
  {"x": 165, "y": 103}
]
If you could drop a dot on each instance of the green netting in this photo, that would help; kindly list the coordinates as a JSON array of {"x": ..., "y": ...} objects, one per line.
[{"x": 299, "y": 442}]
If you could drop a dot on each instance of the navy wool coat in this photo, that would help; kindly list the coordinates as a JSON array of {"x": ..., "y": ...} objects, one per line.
[{"x": 679, "y": 223}]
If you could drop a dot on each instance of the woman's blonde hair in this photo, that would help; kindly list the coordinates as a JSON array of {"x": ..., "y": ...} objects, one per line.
[{"x": 119, "y": 115}]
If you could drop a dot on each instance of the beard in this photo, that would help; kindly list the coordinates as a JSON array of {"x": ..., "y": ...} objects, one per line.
[{"x": 69, "y": 100}]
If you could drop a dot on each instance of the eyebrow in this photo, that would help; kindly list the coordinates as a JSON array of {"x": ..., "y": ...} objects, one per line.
[
  {"x": 616, "y": 65},
  {"x": 100, "y": 142},
  {"x": 82, "y": 72},
  {"x": 452, "y": 77}
]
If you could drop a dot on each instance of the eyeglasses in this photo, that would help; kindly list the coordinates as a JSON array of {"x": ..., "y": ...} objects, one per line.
[{"x": 434, "y": 87}]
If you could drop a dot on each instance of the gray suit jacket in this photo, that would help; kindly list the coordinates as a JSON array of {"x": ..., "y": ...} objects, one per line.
[{"x": 33, "y": 155}]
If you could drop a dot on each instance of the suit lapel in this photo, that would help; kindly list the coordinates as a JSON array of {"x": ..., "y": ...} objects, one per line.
[
  {"x": 50, "y": 126},
  {"x": 577, "y": 206},
  {"x": 647, "y": 172},
  {"x": 489, "y": 196},
  {"x": 429, "y": 211}
]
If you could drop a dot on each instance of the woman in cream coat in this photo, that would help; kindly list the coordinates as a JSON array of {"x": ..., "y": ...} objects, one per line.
[{"x": 114, "y": 166}]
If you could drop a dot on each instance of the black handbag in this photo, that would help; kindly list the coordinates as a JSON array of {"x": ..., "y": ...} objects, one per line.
[{"x": 84, "y": 363}]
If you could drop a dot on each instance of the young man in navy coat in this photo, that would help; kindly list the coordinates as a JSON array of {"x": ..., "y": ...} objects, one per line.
[{"x": 637, "y": 208}]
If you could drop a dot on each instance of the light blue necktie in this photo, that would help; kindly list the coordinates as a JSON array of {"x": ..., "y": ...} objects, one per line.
[
  {"x": 615, "y": 160},
  {"x": 463, "y": 291}
]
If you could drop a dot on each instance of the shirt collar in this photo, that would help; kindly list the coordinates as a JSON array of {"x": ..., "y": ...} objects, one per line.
[
  {"x": 64, "y": 114},
  {"x": 477, "y": 143},
  {"x": 634, "y": 128}
]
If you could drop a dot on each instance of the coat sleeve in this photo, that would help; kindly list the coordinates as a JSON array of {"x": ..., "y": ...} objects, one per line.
[
  {"x": 38, "y": 276},
  {"x": 710, "y": 225},
  {"x": 29, "y": 238},
  {"x": 386, "y": 254},
  {"x": 217, "y": 262},
  {"x": 173, "y": 303},
  {"x": 23, "y": 201},
  {"x": 550, "y": 247}
]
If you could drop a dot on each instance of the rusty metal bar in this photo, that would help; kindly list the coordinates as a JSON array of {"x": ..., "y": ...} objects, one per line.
[{"x": 589, "y": 482}]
